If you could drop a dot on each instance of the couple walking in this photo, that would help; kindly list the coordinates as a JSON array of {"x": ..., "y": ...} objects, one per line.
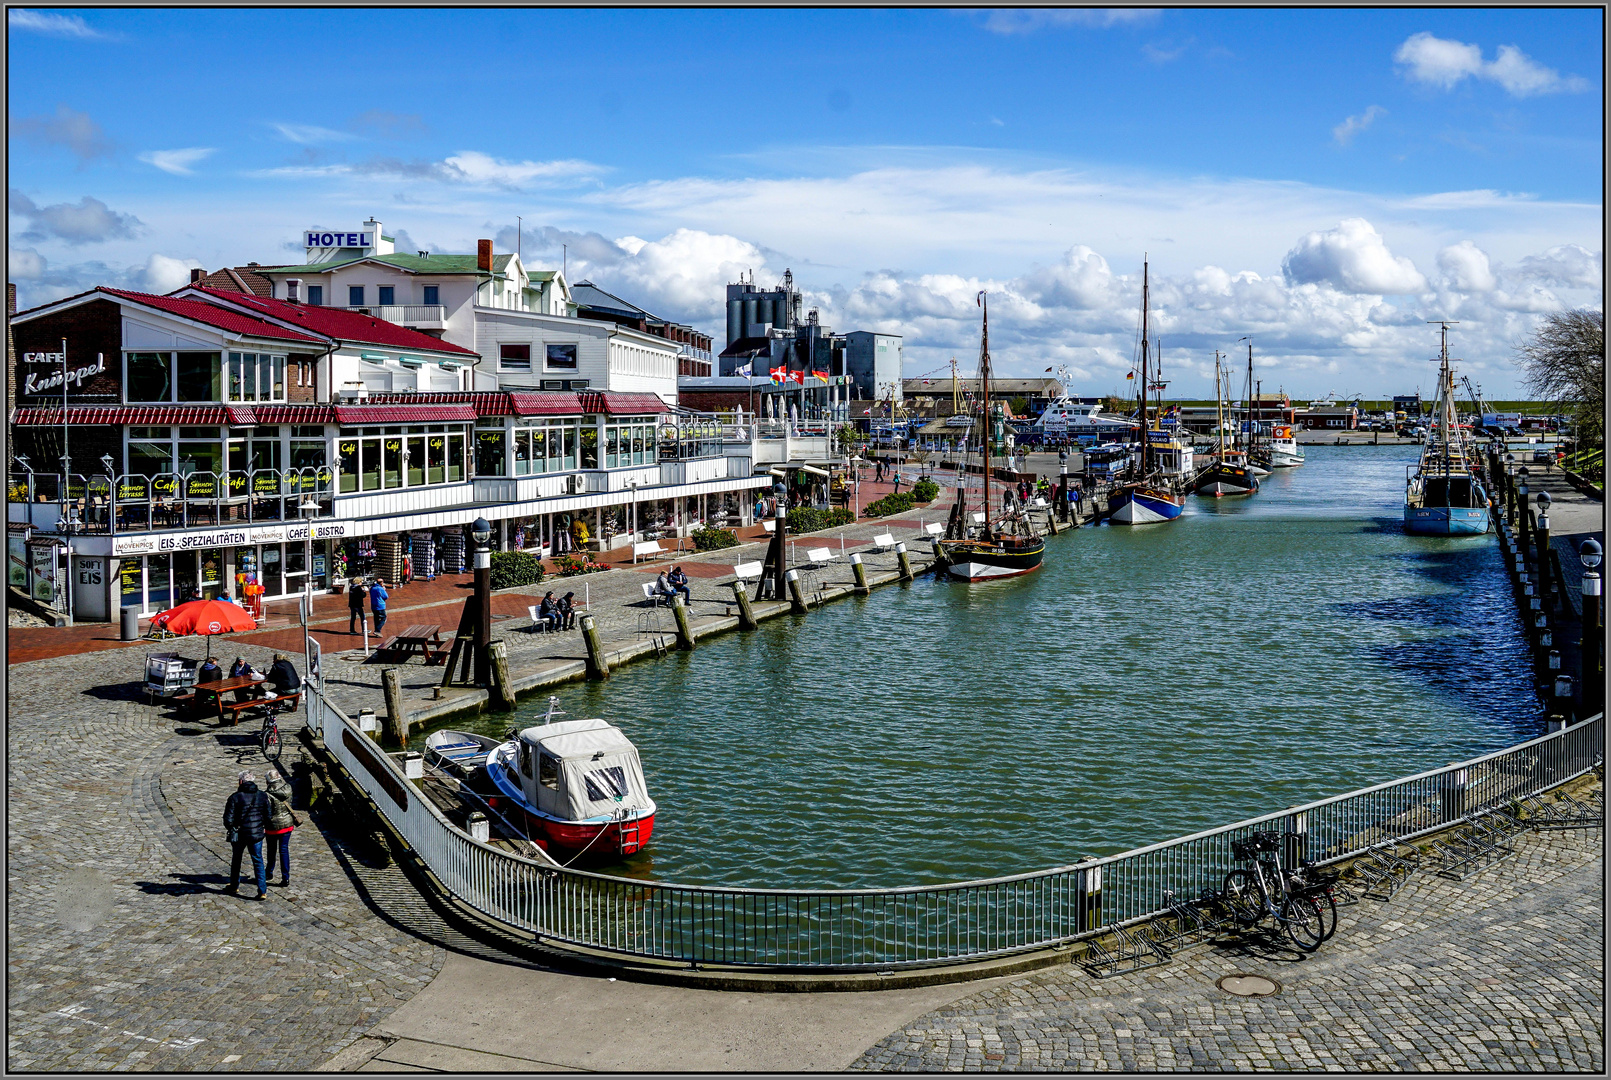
[
  {"x": 252, "y": 816},
  {"x": 377, "y": 595}
]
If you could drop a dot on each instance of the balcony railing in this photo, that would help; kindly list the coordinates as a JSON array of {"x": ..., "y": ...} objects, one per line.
[{"x": 431, "y": 315}]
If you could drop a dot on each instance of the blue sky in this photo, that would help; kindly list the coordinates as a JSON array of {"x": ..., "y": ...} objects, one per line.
[{"x": 1324, "y": 179}]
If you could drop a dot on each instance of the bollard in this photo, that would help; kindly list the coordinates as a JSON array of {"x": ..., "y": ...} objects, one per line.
[
  {"x": 746, "y": 614},
  {"x": 685, "y": 635},
  {"x": 1563, "y": 688},
  {"x": 1553, "y": 723},
  {"x": 413, "y": 766},
  {"x": 1296, "y": 847},
  {"x": 479, "y": 829},
  {"x": 1546, "y": 581},
  {"x": 861, "y": 574},
  {"x": 797, "y": 601},
  {"x": 502, "y": 690},
  {"x": 368, "y": 724},
  {"x": 1088, "y": 898},
  {"x": 395, "y": 720},
  {"x": 597, "y": 666},
  {"x": 1554, "y": 661},
  {"x": 906, "y": 563},
  {"x": 1589, "y": 648}
]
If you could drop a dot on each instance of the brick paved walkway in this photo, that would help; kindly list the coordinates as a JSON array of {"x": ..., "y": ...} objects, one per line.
[{"x": 1502, "y": 972}]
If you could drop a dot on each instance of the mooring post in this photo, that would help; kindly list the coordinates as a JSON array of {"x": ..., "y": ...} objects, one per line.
[
  {"x": 1546, "y": 580},
  {"x": 746, "y": 613},
  {"x": 685, "y": 635},
  {"x": 597, "y": 666},
  {"x": 861, "y": 574},
  {"x": 906, "y": 563},
  {"x": 797, "y": 600},
  {"x": 502, "y": 690},
  {"x": 394, "y": 706}
]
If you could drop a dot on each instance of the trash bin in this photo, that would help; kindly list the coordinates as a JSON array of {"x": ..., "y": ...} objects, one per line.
[{"x": 129, "y": 624}]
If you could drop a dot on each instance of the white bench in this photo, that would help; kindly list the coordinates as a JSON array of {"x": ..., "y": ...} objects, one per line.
[
  {"x": 819, "y": 557},
  {"x": 884, "y": 542},
  {"x": 654, "y": 597},
  {"x": 649, "y": 549},
  {"x": 978, "y": 518},
  {"x": 934, "y": 528},
  {"x": 1037, "y": 503},
  {"x": 770, "y": 525},
  {"x": 747, "y": 570}
]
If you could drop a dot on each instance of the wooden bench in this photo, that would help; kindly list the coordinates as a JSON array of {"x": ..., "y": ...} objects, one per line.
[
  {"x": 233, "y": 709},
  {"x": 426, "y": 637}
]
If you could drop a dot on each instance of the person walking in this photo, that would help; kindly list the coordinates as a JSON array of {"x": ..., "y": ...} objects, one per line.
[
  {"x": 377, "y": 603},
  {"x": 282, "y": 820},
  {"x": 246, "y": 815},
  {"x": 878, "y": 471},
  {"x": 355, "y": 606}
]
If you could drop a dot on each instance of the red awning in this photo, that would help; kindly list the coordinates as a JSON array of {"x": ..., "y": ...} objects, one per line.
[
  {"x": 124, "y": 414},
  {"x": 402, "y": 414},
  {"x": 546, "y": 403},
  {"x": 633, "y": 404},
  {"x": 294, "y": 414}
]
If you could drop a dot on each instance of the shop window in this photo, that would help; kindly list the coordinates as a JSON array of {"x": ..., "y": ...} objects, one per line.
[
  {"x": 435, "y": 459},
  {"x": 316, "y": 295},
  {"x": 416, "y": 460},
  {"x": 590, "y": 447},
  {"x": 370, "y": 470},
  {"x": 455, "y": 458},
  {"x": 561, "y": 357},
  {"x": 489, "y": 452},
  {"x": 307, "y": 454},
  {"x": 430, "y": 294},
  {"x": 347, "y": 451},
  {"x": 514, "y": 357},
  {"x": 612, "y": 446},
  {"x": 150, "y": 459},
  {"x": 392, "y": 462},
  {"x": 385, "y": 295},
  {"x": 355, "y": 296},
  {"x": 146, "y": 377},
  {"x": 199, "y": 377}
]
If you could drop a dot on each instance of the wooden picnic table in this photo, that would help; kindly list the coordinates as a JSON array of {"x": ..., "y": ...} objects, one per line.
[
  {"x": 219, "y": 687},
  {"x": 426, "y": 637}
]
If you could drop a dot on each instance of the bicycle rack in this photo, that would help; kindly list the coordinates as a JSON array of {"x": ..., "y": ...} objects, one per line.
[
  {"x": 1134, "y": 951},
  {"x": 1188, "y": 922},
  {"x": 1476, "y": 847},
  {"x": 1382, "y": 872}
]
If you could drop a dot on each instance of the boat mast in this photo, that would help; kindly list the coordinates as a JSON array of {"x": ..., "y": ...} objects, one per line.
[
  {"x": 984, "y": 377},
  {"x": 1143, "y": 395},
  {"x": 1219, "y": 409}
]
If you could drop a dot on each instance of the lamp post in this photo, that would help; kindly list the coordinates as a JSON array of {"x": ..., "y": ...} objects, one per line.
[
  {"x": 1546, "y": 580},
  {"x": 481, "y": 532},
  {"x": 308, "y": 510},
  {"x": 632, "y": 522},
  {"x": 22, "y": 459},
  {"x": 111, "y": 493},
  {"x": 1590, "y": 676}
]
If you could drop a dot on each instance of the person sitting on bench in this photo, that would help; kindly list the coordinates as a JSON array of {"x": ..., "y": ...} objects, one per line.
[
  {"x": 679, "y": 583},
  {"x": 662, "y": 586},
  {"x": 239, "y": 669},
  {"x": 548, "y": 611},
  {"x": 209, "y": 671},
  {"x": 282, "y": 676},
  {"x": 567, "y": 611}
]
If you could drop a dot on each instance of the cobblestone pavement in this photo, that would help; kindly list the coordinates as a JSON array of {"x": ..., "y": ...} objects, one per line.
[
  {"x": 1501, "y": 972},
  {"x": 123, "y": 952}
]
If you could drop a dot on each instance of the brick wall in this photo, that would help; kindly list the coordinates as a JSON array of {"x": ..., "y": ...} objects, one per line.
[
  {"x": 90, "y": 328},
  {"x": 309, "y": 391}
]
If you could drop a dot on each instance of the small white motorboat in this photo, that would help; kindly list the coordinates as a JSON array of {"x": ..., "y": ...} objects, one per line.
[{"x": 458, "y": 752}]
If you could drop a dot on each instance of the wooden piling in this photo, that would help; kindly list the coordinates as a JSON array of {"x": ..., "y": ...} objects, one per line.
[
  {"x": 861, "y": 575},
  {"x": 797, "y": 601},
  {"x": 746, "y": 613},
  {"x": 906, "y": 562},
  {"x": 395, "y": 719},
  {"x": 597, "y": 666},
  {"x": 685, "y": 635},
  {"x": 502, "y": 690}
]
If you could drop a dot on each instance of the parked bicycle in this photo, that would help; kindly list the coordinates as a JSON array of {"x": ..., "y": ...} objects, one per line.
[
  {"x": 270, "y": 735},
  {"x": 1266, "y": 890}
]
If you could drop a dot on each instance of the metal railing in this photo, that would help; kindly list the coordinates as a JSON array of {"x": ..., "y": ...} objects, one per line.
[{"x": 884, "y": 929}]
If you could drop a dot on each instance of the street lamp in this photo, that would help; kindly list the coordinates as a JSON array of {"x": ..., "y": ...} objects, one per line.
[
  {"x": 22, "y": 459},
  {"x": 308, "y": 511},
  {"x": 481, "y": 533},
  {"x": 1589, "y": 661}
]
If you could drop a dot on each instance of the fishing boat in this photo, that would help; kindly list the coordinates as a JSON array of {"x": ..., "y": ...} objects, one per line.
[
  {"x": 1147, "y": 498},
  {"x": 458, "y": 752},
  {"x": 1008, "y": 546},
  {"x": 1442, "y": 496},
  {"x": 1229, "y": 475},
  {"x": 1281, "y": 451},
  {"x": 576, "y": 786}
]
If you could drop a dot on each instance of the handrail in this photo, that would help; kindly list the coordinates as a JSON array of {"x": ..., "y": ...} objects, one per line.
[{"x": 956, "y": 922}]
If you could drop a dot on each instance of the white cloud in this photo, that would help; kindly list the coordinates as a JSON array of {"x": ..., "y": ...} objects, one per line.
[
  {"x": 76, "y": 131},
  {"x": 162, "y": 274},
  {"x": 1344, "y": 132},
  {"x": 90, "y": 221},
  {"x": 1465, "y": 268},
  {"x": 177, "y": 162},
  {"x": 39, "y": 22},
  {"x": 1480, "y": 199},
  {"x": 1566, "y": 265},
  {"x": 1353, "y": 258},
  {"x": 24, "y": 264},
  {"x": 1027, "y": 21},
  {"x": 469, "y": 168},
  {"x": 479, "y": 168},
  {"x": 310, "y": 134},
  {"x": 1445, "y": 63}
]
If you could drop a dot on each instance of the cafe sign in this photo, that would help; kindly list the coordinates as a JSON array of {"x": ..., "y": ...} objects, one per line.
[
  {"x": 39, "y": 382},
  {"x": 211, "y": 538}
]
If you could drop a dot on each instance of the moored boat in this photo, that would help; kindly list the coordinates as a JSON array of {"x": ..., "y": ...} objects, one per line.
[
  {"x": 458, "y": 752},
  {"x": 1231, "y": 473},
  {"x": 1147, "y": 499},
  {"x": 1442, "y": 496},
  {"x": 1281, "y": 451},
  {"x": 577, "y": 786}
]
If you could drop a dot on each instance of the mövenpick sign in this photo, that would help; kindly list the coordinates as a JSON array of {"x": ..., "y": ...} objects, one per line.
[{"x": 38, "y": 383}]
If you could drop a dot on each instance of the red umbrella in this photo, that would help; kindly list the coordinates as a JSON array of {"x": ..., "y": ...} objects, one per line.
[{"x": 204, "y": 617}]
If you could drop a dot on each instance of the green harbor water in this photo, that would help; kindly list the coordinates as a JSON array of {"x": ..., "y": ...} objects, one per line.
[{"x": 1146, "y": 683}]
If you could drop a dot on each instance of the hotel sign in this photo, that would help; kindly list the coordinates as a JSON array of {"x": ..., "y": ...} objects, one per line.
[{"x": 317, "y": 239}]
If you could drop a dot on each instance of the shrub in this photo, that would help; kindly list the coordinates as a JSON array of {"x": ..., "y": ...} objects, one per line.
[
  {"x": 571, "y": 565},
  {"x": 804, "y": 519},
  {"x": 714, "y": 539},
  {"x": 511, "y": 569},
  {"x": 925, "y": 491},
  {"x": 896, "y": 503}
]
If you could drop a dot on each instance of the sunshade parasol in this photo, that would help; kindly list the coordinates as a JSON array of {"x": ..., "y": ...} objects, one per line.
[{"x": 204, "y": 617}]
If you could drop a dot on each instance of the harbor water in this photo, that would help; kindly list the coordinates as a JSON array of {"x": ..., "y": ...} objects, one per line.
[{"x": 1146, "y": 683}]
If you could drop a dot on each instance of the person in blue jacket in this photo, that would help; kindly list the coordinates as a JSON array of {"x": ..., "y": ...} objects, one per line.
[{"x": 377, "y": 603}]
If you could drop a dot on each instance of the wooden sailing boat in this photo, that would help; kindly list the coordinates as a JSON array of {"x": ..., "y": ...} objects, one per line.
[
  {"x": 1229, "y": 475},
  {"x": 1145, "y": 499},
  {"x": 1443, "y": 497},
  {"x": 1004, "y": 548}
]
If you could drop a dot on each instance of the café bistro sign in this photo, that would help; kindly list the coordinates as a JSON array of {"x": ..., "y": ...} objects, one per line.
[
  {"x": 238, "y": 537},
  {"x": 36, "y": 382}
]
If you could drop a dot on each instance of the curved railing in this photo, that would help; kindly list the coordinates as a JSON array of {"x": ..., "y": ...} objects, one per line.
[{"x": 885, "y": 929}]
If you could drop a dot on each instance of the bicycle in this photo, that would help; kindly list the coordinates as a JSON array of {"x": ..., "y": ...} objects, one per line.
[
  {"x": 270, "y": 735},
  {"x": 1253, "y": 895}
]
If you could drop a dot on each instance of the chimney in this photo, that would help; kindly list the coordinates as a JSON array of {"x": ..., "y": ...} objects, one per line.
[
  {"x": 196, "y": 274},
  {"x": 483, "y": 255}
]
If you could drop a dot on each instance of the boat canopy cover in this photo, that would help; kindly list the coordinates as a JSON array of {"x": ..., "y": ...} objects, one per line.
[{"x": 586, "y": 770}]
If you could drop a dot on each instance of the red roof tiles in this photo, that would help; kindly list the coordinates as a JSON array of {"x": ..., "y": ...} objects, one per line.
[
  {"x": 212, "y": 315},
  {"x": 339, "y": 323}
]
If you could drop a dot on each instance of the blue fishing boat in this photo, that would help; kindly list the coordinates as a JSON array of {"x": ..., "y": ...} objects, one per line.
[
  {"x": 1149, "y": 497},
  {"x": 1442, "y": 493}
]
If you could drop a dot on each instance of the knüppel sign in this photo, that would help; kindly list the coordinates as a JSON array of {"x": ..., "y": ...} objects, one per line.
[{"x": 37, "y": 382}]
